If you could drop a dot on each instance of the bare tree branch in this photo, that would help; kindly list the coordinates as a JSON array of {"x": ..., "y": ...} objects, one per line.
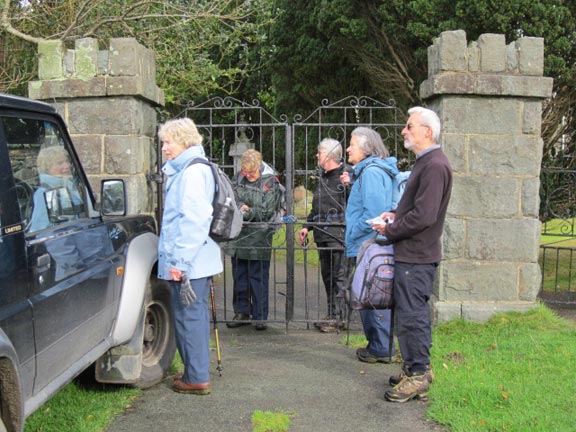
[{"x": 6, "y": 25}]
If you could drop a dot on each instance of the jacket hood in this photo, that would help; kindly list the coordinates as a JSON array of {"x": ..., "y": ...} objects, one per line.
[
  {"x": 265, "y": 171},
  {"x": 177, "y": 164},
  {"x": 389, "y": 164}
]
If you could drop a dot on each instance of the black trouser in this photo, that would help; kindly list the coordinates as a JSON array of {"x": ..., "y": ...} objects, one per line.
[
  {"x": 333, "y": 270},
  {"x": 413, "y": 285}
]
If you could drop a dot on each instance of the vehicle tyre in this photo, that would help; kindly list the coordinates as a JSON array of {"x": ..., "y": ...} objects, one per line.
[{"x": 159, "y": 343}]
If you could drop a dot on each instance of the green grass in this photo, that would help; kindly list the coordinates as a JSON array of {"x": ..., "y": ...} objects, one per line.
[
  {"x": 513, "y": 373},
  {"x": 82, "y": 406},
  {"x": 266, "y": 421},
  {"x": 555, "y": 229},
  {"x": 558, "y": 269}
]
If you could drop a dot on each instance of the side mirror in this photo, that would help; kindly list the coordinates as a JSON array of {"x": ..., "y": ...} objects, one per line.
[
  {"x": 59, "y": 205},
  {"x": 113, "y": 198}
]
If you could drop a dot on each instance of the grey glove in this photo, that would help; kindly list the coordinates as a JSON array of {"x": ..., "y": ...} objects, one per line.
[{"x": 187, "y": 294}]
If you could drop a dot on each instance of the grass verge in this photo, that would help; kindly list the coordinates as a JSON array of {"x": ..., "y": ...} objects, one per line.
[
  {"x": 511, "y": 374},
  {"x": 82, "y": 406}
]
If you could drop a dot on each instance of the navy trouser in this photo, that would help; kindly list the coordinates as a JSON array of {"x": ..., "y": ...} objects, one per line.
[
  {"x": 251, "y": 287},
  {"x": 376, "y": 324},
  {"x": 413, "y": 285},
  {"x": 192, "y": 326}
]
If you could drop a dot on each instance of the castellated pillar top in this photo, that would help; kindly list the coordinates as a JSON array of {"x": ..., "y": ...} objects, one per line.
[
  {"x": 486, "y": 67},
  {"x": 127, "y": 68}
]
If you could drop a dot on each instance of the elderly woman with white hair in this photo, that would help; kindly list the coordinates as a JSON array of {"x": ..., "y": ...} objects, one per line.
[
  {"x": 187, "y": 256},
  {"x": 372, "y": 191},
  {"x": 326, "y": 220}
]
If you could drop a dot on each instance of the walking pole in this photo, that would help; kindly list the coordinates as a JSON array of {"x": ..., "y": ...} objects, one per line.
[
  {"x": 348, "y": 298},
  {"x": 218, "y": 355}
]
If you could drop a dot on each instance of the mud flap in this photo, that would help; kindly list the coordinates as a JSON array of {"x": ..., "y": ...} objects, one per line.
[{"x": 123, "y": 364}]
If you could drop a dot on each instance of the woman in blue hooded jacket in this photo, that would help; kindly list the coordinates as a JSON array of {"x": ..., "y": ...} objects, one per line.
[
  {"x": 186, "y": 252},
  {"x": 372, "y": 190}
]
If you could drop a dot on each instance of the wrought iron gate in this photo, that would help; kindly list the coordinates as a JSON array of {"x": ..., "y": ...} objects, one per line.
[
  {"x": 558, "y": 249},
  {"x": 230, "y": 127}
]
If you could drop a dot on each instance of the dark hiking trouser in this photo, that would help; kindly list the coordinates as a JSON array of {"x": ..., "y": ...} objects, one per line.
[
  {"x": 333, "y": 271},
  {"x": 412, "y": 289},
  {"x": 251, "y": 281}
]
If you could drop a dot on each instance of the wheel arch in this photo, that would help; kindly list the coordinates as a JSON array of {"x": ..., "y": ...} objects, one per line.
[
  {"x": 141, "y": 259},
  {"x": 11, "y": 403}
]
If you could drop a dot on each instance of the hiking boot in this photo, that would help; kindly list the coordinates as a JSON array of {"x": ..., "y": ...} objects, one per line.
[
  {"x": 395, "y": 379},
  {"x": 239, "y": 317},
  {"x": 180, "y": 386},
  {"x": 367, "y": 357},
  {"x": 411, "y": 387},
  {"x": 260, "y": 325},
  {"x": 323, "y": 321},
  {"x": 332, "y": 327}
]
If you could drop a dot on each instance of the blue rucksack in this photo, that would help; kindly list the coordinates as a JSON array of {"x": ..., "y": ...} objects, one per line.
[{"x": 399, "y": 181}]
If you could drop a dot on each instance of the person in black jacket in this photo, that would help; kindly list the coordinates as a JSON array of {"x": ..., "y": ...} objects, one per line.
[
  {"x": 326, "y": 219},
  {"x": 416, "y": 232}
]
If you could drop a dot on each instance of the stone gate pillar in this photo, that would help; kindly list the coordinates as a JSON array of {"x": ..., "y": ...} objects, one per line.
[
  {"x": 108, "y": 100},
  {"x": 489, "y": 98}
]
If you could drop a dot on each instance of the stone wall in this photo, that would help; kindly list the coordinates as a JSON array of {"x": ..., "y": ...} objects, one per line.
[
  {"x": 489, "y": 98},
  {"x": 108, "y": 100}
]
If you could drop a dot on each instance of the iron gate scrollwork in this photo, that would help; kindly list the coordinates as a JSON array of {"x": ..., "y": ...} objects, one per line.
[
  {"x": 331, "y": 120},
  {"x": 230, "y": 126}
]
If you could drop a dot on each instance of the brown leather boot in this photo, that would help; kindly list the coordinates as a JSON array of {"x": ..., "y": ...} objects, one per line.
[{"x": 180, "y": 386}]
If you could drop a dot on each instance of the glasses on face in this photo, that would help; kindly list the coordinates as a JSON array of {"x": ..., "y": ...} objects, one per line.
[
  {"x": 250, "y": 173},
  {"x": 410, "y": 126}
]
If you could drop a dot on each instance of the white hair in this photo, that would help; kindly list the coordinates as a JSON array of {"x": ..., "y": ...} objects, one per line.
[
  {"x": 429, "y": 119},
  {"x": 333, "y": 148}
]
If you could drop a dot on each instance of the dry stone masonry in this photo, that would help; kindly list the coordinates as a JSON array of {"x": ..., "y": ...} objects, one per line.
[
  {"x": 489, "y": 97},
  {"x": 108, "y": 99}
]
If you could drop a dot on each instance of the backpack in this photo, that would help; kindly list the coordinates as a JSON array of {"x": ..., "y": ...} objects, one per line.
[
  {"x": 227, "y": 218},
  {"x": 373, "y": 279},
  {"x": 398, "y": 182},
  {"x": 280, "y": 207}
]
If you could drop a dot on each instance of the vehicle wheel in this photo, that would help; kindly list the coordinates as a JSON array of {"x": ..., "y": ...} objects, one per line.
[{"x": 159, "y": 344}]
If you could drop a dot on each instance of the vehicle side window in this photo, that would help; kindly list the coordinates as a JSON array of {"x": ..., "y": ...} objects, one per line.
[{"x": 49, "y": 189}]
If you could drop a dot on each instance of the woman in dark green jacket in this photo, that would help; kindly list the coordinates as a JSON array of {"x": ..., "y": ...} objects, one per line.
[{"x": 258, "y": 194}]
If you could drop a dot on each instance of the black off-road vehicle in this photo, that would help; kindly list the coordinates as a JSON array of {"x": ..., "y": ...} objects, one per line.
[{"x": 77, "y": 276}]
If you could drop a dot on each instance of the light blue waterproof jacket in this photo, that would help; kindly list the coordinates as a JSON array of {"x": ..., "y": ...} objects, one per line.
[
  {"x": 184, "y": 240},
  {"x": 371, "y": 195}
]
